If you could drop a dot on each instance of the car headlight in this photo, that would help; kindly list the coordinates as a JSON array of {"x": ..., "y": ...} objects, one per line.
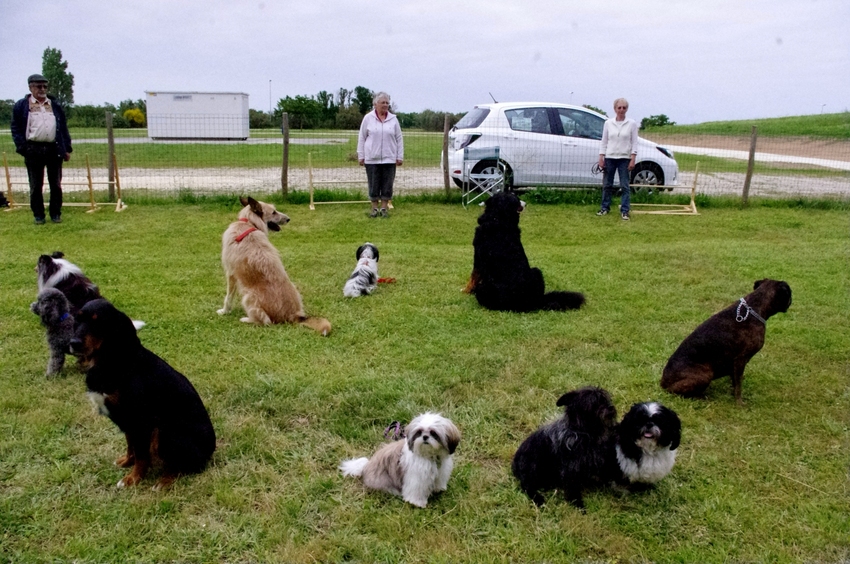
[{"x": 666, "y": 152}]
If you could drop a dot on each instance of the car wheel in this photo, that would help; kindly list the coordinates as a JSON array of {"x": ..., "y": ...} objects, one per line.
[
  {"x": 490, "y": 167},
  {"x": 457, "y": 182},
  {"x": 647, "y": 173}
]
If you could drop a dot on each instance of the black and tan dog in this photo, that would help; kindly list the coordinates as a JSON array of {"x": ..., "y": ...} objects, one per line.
[
  {"x": 725, "y": 342},
  {"x": 502, "y": 278},
  {"x": 157, "y": 408}
]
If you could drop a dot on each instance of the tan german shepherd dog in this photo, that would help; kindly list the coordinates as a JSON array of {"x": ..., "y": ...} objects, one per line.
[{"x": 253, "y": 266}]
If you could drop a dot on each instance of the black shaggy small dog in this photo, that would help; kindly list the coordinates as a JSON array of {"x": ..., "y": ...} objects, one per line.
[
  {"x": 55, "y": 272},
  {"x": 572, "y": 453},
  {"x": 502, "y": 278},
  {"x": 156, "y": 407},
  {"x": 54, "y": 310},
  {"x": 646, "y": 443},
  {"x": 724, "y": 343}
]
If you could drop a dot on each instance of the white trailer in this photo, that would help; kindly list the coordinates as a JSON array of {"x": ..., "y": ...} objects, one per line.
[{"x": 197, "y": 115}]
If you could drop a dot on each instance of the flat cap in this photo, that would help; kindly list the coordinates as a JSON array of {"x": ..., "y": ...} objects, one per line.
[{"x": 36, "y": 78}]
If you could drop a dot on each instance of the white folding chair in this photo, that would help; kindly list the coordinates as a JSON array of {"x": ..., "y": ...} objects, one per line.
[{"x": 487, "y": 180}]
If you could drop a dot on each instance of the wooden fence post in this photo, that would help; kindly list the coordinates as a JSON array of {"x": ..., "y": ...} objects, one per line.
[
  {"x": 110, "y": 138},
  {"x": 284, "y": 169},
  {"x": 750, "y": 166},
  {"x": 446, "y": 155}
]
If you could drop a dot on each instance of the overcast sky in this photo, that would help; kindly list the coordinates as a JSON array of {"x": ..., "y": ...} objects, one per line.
[{"x": 693, "y": 60}]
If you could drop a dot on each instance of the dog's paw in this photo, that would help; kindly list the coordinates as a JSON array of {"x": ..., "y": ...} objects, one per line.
[
  {"x": 222, "y": 311},
  {"x": 125, "y": 461},
  {"x": 246, "y": 320},
  {"x": 418, "y": 502},
  {"x": 130, "y": 479}
]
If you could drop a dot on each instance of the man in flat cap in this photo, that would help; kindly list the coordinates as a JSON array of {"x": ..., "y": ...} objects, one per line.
[{"x": 40, "y": 133}]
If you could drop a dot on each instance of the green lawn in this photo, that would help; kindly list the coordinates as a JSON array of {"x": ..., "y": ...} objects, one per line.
[
  {"x": 766, "y": 482},
  {"x": 820, "y": 126}
]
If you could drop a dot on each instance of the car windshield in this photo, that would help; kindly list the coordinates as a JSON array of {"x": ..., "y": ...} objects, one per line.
[
  {"x": 473, "y": 118},
  {"x": 581, "y": 124}
]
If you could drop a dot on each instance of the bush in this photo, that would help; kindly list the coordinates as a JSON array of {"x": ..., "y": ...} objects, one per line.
[{"x": 135, "y": 117}]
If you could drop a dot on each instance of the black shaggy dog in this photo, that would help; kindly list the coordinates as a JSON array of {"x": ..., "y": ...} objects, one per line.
[
  {"x": 724, "y": 343},
  {"x": 573, "y": 453},
  {"x": 501, "y": 277},
  {"x": 157, "y": 408},
  {"x": 55, "y": 272}
]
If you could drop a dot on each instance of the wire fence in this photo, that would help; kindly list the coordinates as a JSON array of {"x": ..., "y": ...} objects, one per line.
[{"x": 275, "y": 161}]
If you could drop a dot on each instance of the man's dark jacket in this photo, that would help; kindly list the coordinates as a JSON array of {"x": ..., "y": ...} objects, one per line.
[{"x": 20, "y": 115}]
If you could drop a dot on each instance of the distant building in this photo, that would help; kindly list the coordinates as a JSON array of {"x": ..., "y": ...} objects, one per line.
[{"x": 197, "y": 115}]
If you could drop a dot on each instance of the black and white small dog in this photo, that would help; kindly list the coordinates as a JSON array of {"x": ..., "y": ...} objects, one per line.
[
  {"x": 647, "y": 439},
  {"x": 56, "y": 272},
  {"x": 572, "y": 453},
  {"x": 364, "y": 279},
  {"x": 54, "y": 309}
]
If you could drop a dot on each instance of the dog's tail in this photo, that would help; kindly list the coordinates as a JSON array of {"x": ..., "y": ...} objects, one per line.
[
  {"x": 354, "y": 466},
  {"x": 560, "y": 301},
  {"x": 138, "y": 324},
  {"x": 319, "y": 324}
]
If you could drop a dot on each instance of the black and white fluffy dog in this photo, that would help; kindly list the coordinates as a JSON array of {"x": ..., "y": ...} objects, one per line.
[
  {"x": 572, "y": 453},
  {"x": 647, "y": 439},
  {"x": 54, "y": 309},
  {"x": 364, "y": 279},
  {"x": 55, "y": 272}
]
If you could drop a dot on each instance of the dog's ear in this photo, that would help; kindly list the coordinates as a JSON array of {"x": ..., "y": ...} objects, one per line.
[
  {"x": 758, "y": 283},
  {"x": 244, "y": 201},
  {"x": 256, "y": 206},
  {"x": 671, "y": 427},
  {"x": 375, "y": 250},
  {"x": 452, "y": 437},
  {"x": 57, "y": 254},
  {"x": 359, "y": 252},
  {"x": 566, "y": 399}
]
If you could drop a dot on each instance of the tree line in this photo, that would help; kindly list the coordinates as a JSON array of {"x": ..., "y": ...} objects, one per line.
[{"x": 343, "y": 109}]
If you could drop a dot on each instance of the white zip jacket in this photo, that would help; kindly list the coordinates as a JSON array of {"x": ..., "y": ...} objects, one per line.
[
  {"x": 380, "y": 142},
  {"x": 619, "y": 139}
]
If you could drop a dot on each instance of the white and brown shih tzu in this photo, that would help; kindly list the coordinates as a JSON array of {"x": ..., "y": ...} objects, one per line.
[
  {"x": 364, "y": 279},
  {"x": 415, "y": 466},
  {"x": 647, "y": 439}
]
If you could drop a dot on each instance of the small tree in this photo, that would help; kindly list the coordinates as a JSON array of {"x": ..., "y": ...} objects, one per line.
[
  {"x": 363, "y": 99},
  {"x": 135, "y": 117},
  {"x": 6, "y": 112},
  {"x": 348, "y": 118},
  {"x": 597, "y": 110},
  {"x": 55, "y": 70},
  {"x": 303, "y": 111},
  {"x": 656, "y": 121}
]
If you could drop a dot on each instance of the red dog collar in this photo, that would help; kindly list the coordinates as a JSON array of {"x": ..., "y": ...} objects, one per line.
[{"x": 246, "y": 232}]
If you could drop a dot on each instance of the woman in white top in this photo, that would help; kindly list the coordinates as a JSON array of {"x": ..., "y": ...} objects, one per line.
[
  {"x": 617, "y": 154},
  {"x": 380, "y": 148}
]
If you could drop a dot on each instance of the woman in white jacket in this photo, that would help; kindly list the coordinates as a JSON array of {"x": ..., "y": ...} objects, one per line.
[
  {"x": 617, "y": 154},
  {"x": 380, "y": 148}
]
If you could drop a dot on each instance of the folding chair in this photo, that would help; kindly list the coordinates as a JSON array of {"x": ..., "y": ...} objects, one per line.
[{"x": 488, "y": 181}]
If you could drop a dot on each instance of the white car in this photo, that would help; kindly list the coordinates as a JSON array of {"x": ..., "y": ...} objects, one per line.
[{"x": 545, "y": 144}]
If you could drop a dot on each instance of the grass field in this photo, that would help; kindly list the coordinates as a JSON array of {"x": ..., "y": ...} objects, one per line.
[
  {"x": 766, "y": 482},
  {"x": 822, "y": 126}
]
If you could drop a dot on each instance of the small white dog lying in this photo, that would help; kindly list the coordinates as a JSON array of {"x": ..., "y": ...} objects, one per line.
[
  {"x": 413, "y": 467},
  {"x": 364, "y": 279}
]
